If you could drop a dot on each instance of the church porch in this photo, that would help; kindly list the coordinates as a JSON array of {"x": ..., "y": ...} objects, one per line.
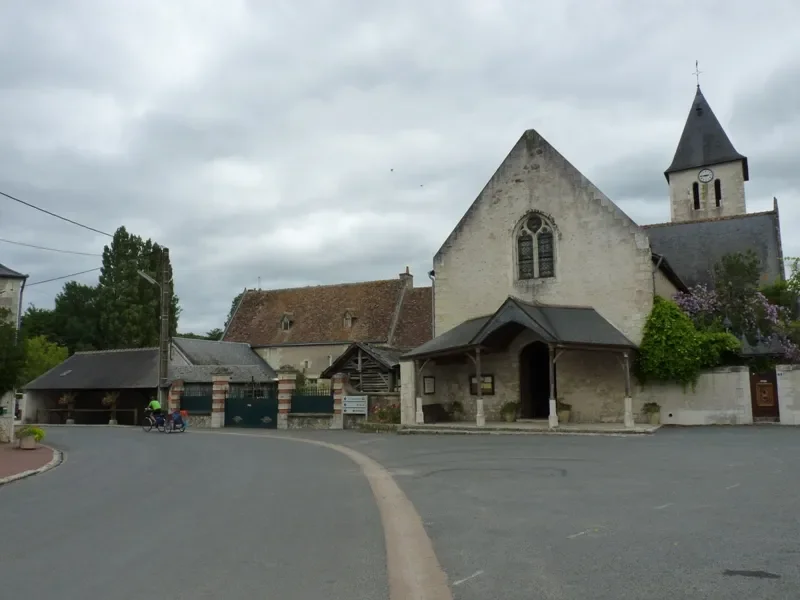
[{"x": 538, "y": 356}]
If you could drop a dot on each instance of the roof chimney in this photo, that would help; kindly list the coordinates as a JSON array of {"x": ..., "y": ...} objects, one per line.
[{"x": 408, "y": 278}]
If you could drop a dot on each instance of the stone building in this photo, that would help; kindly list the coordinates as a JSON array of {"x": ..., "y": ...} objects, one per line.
[
  {"x": 309, "y": 328},
  {"x": 11, "y": 288},
  {"x": 544, "y": 285}
]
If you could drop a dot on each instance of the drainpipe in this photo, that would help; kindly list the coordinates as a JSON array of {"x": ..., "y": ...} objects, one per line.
[
  {"x": 432, "y": 275},
  {"x": 655, "y": 270}
]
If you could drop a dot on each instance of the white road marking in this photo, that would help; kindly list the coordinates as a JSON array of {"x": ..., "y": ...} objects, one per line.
[
  {"x": 475, "y": 574},
  {"x": 663, "y": 506},
  {"x": 580, "y": 533},
  {"x": 735, "y": 485},
  {"x": 413, "y": 569}
]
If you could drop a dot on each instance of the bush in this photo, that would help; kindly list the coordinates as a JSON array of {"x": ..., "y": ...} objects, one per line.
[
  {"x": 31, "y": 431},
  {"x": 674, "y": 350},
  {"x": 387, "y": 414}
]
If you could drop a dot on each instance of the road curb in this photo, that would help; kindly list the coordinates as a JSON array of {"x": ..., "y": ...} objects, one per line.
[
  {"x": 58, "y": 458},
  {"x": 454, "y": 431}
]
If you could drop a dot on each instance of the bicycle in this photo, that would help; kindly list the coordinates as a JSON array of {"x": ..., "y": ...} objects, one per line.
[
  {"x": 150, "y": 421},
  {"x": 170, "y": 425}
]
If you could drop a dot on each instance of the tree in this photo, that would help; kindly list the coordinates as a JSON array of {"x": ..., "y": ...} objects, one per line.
[
  {"x": 41, "y": 355},
  {"x": 129, "y": 306},
  {"x": 736, "y": 305},
  {"x": 234, "y": 305},
  {"x": 36, "y": 322},
  {"x": 215, "y": 334},
  {"x": 75, "y": 322},
  {"x": 12, "y": 353}
]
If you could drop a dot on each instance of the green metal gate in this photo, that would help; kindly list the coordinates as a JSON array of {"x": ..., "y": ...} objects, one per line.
[{"x": 252, "y": 406}]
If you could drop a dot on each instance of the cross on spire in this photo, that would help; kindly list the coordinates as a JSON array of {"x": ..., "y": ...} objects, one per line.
[{"x": 697, "y": 71}]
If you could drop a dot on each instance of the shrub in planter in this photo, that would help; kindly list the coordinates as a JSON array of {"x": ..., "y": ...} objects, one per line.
[
  {"x": 563, "y": 410},
  {"x": 653, "y": 411},
  {"x": 509, "y": 411},
  {"x": 110, "y": 400},
  {"x": 29, "y": 436},
  {"x": 456, "y": 411},
  {"x": 68, "y": 399}
]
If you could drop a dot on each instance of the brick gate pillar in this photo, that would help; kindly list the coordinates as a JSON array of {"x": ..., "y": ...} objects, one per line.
[
  {"x": 337, "y": 422},
  {"x": 220, "y": 383},
  {"x": 174, "y": 398},
  {"x": 286, "y": 385}
]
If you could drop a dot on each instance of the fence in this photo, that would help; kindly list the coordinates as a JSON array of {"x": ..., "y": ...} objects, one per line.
[{"x": 312, "y": 399}]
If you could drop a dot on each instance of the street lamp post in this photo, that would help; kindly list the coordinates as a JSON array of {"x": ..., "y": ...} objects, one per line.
[{"x": 163, "y": 342}]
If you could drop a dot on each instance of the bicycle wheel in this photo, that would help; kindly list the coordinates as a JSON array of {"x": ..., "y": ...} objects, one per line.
[
  {"x": 162, "y": 427},
  {"x": 148, "y": 424}
]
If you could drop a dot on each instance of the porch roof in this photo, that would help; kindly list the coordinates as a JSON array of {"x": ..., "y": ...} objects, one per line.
[{"x": 565, "y": 326}]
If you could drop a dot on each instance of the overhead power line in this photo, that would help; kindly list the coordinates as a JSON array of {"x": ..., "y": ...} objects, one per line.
[
  {"x": 50, "y": 249},
  {"x": 63, "y": 277},
  {"x": 52, "y": 214}
]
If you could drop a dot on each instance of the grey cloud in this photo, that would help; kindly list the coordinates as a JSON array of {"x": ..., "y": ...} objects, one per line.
[{"x": 324, "y": 100}]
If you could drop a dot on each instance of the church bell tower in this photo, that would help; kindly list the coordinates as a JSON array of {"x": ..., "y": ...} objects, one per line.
[{"x": 707, "y": 175}]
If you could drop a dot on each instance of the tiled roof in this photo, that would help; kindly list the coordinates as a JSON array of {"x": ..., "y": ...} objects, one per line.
[
  {"x": 568, "y": 325},
  {"x": 704, "y": 142},
  {"x": 211, "y": 352},
  {"x": 102, "y": 370},
  {"x": 694, "y": 247},
  {"x": 317, "y": 314},
  {"x": 238, "y": 373},
  {"x": 388, "y": 357},
  {"x": 11, "y": 273},
  {"x": 414, "y": 323}
]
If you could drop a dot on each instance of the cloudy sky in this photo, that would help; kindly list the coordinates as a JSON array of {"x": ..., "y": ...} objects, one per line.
[{"x": 257, "y": 139}]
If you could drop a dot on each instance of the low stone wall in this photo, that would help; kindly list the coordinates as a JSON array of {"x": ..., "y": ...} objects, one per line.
[
  {"x": 309, "y": 421},
  {"x": 720, "y": 397},
  {"x": 198, "y": 421},
  {"x": 788, "y": 393}
]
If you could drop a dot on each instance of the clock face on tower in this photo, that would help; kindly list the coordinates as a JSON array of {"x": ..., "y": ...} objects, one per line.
[{"x": 705, "y": 175}]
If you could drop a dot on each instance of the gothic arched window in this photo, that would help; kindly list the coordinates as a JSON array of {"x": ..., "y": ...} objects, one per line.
[{"x": 536, "y": 255}]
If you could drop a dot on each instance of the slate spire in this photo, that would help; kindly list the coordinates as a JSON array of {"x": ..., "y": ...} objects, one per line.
[{"x": 704, "y": 142}]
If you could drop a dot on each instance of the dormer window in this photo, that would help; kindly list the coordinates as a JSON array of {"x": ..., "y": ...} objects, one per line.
[
  {"x": 286, "y": 323},
  {"x": 347, "y": 320}
]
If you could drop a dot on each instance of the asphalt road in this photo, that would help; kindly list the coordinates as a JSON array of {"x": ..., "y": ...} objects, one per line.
[
  {"x": 131, "y": 515},
  {"x": 683, "y": 514}
]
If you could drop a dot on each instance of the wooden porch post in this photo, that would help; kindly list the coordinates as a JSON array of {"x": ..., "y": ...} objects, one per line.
[
  {"x": 480, "y": 418},
  {"x": 553, "y": 417},
  {"x": 628, "y": 401}
]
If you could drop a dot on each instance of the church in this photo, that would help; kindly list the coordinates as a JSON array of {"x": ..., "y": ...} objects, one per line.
[{"x": 542, "y": 290}]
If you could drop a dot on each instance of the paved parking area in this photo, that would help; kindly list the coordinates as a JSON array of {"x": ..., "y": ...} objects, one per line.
[{"x": 685, "y": 513}]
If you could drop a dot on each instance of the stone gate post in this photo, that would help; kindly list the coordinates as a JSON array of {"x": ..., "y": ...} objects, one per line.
[
  {"x": 286, "y": 386},
  {"x": 338, "y": 382},
  {"x": 220, "y": 384}
]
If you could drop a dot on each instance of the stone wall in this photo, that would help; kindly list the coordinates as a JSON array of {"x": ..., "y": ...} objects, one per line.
[
  {"x": 720, "y": 397},
  {"x": 603, "y": 258},
  {"x": 373, "y": 401},
  {"x": 592, "y": 382},
  {"x": 319, "y": 357},
  {"x": 198, "y": 421},
  {"x": 789, "y": 393},
  {"x": 682, "y": 198},
  {"x": 309, "y": 421}
]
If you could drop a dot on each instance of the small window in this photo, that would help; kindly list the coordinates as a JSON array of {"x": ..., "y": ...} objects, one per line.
[
  {"x": 348, "y": 320},
  {"x": 306, "y": 364},
  {"x": 286, "y": 323},
  {"x": 428, "y": 385},
  {"x": 718, "y": 192},
  {"x": 696, "y": 195},
  {"x": 487, "y": 385}
]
